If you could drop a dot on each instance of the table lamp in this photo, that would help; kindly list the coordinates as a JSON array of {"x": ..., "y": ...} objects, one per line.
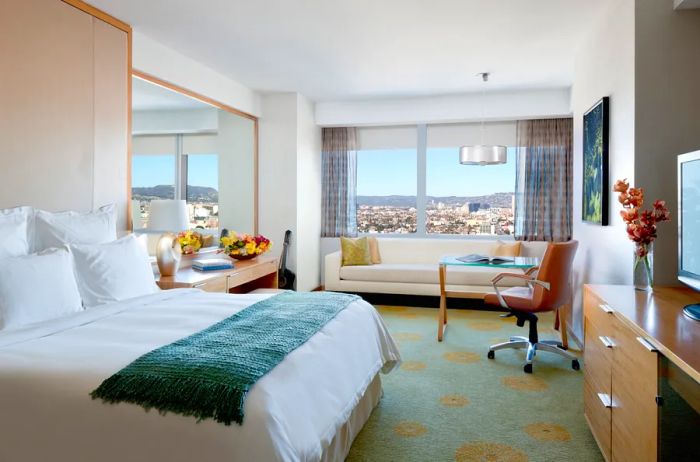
[{"x": 168, "y": 217}]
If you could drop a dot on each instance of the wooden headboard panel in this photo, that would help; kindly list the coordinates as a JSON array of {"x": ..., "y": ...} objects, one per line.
[{"x": 65, "y": 91}]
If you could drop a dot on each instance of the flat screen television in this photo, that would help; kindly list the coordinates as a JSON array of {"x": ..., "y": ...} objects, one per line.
[{"x": 689, "y": 224}]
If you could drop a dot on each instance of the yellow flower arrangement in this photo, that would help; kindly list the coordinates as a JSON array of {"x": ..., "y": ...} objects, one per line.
[
  {"x": 244, "y": 246},
  {"x": 190, "y": 242}
]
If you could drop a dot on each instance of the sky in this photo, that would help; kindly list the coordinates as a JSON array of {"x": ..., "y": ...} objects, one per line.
[
  {"x": 202, "y": 170},
  {"x": 393, "y": 172}
]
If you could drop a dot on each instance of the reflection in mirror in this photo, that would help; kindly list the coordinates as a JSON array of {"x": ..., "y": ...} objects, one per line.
[{"x": 184, "y": 149}]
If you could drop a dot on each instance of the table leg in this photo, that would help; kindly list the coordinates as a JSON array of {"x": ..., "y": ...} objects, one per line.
[{"x": 442, "y": 312}]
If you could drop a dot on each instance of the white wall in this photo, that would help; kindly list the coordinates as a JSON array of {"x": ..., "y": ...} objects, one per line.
[
  {"x": 174, "y": 121},
  {"x": 290, "y": 182},
  {"x": 156, "y": 59},
  {"x": 445, "y": 108},
  {"x": 277, "y": 178},
  {"x": 667, "y": 96},
  {"x": 308, "y": 196},
  {"x": 604, "y": 66}
]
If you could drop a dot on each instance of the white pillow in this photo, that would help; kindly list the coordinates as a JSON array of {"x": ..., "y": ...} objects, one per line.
[
  {"x": 37, "y": 287},
  {"x": 57, "y": 229},
  {"x": 113, "y": 271},
  {"x": 14, "y": 231}
]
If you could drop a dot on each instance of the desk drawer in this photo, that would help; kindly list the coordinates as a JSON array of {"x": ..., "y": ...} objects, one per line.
[
  {"x": 598, "y": 313},
  {"x": 597, "y": 358},
  {"x": 634, "y": 390},
  {"x": 214, "y": 285},
  {"x": 598, "y": 417}
]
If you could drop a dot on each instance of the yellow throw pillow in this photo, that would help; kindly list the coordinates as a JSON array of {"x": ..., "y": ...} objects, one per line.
[
  {"x": 506, "y": 249},
  {"x": 374, "y": 250},
  {"x": 355, "y": 251}
]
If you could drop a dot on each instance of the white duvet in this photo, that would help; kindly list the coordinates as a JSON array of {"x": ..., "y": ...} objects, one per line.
[{"x": 47, "y": 371}]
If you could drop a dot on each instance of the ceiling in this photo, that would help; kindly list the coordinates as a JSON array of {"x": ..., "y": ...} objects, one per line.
[
  {"x": 358, "y": 49},
  {"x": 146, "y": 96}
]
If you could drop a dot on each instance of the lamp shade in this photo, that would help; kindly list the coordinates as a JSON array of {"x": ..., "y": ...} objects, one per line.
[
  {"x": 168, "y": 216},
  {"x": 483, "y": 155}
]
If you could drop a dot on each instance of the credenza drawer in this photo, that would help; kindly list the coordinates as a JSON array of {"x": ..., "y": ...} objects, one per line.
[
  {"x": 599, "y": 313},
  {"x": 634, "y": 391},
  {"x": 597, "y": 409},
  {"x": 597, "y": 357},
  {"x": 214, "y": 285}
]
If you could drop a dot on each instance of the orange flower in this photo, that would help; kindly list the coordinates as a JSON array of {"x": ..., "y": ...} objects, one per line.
[
  {"x": 629, "y": 215},
  {"x": 621, "y": 186},
  {"x": 636, "y": 197}
]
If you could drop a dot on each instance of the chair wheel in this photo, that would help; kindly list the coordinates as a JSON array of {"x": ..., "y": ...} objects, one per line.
[
  {"x": 491, "y": 354},
  {"x": 575, "y": 365},
  {"x": 528, "y": 368}
]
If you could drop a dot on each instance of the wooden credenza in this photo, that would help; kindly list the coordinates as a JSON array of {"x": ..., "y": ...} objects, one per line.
[
  {"x": 258, "y": 273},
  {"x": 632, "y": 340}
]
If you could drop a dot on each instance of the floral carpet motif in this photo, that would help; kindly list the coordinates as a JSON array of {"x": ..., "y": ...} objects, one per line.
[{"x": 448, "y": 402}]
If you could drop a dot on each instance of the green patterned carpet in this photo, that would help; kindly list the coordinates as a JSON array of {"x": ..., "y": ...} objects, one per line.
[{"x": 448, "y": 402}]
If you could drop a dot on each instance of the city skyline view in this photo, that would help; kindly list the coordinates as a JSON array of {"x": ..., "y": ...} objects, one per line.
[{"x": 460, "y": 199}]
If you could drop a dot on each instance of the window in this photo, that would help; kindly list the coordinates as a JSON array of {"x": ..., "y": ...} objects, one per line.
[
  {"x": 405, "y": 186},
  {"x": 386, "y": 191},
  {"x": 386, "y": 180},
  {"x": 468, "y": 199},
  {"x": 203, "y": 190},
  {"x": 159, "y": 160}
]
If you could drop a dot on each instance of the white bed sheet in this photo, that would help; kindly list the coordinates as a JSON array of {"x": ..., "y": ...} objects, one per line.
[{"x": 47, "y": 371}]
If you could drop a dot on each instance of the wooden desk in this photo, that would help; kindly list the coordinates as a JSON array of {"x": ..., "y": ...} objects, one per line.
[
  {"x": 248, "y": 275},
  {"x": 632, "y": 339}
]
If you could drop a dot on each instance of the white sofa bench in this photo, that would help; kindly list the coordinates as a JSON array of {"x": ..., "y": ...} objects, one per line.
[{"x": 410, "y": 266}]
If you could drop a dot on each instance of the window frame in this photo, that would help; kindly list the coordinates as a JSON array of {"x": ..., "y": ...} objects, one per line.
[{"x": 421, "y": 201}]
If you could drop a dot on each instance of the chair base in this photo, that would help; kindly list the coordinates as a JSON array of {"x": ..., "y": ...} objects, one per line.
[{"x": 521, "y": 343}]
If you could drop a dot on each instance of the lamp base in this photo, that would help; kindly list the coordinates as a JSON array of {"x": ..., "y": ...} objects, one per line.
[{"x": 168, "y": 254}]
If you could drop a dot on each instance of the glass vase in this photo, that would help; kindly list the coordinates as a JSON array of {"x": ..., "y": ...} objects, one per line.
[{"x": 643, "y": 270}]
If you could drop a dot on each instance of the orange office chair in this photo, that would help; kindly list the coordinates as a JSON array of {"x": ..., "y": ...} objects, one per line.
[{"x": 547, "y": 289}]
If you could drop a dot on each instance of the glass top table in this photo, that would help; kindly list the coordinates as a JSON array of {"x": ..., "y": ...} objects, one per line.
[
  {"x": 518, "y": 262},
  {"x": 522, "y": 263}
]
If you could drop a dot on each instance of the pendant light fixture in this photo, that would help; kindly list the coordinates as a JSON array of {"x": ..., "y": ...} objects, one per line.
[{"x": 482, "y": 154}]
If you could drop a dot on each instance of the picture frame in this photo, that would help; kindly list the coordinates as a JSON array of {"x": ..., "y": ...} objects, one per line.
[{"x": 596, "y": 182}]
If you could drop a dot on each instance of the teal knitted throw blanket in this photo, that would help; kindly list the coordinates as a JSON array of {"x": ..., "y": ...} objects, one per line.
[{"x": 208, "y": 374}]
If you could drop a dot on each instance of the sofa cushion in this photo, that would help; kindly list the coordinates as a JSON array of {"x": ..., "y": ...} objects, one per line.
[
  {"x": 355, "y": 251},
  {"x": 427, "y": 273}
]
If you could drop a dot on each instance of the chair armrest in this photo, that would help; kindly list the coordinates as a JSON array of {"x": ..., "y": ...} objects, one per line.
[
  {"x": 527, "y": 277},
  {"x": 500, "y": 276},
  {"x": 532, "y": 270}
]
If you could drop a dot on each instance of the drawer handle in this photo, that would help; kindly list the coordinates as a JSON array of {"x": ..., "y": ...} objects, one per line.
[
  {"x": 606, "y": 341},
  {"x": 605, "y": 307},
  {"x": 606, "y": 400},
  {"x": 647, "y": 344}
]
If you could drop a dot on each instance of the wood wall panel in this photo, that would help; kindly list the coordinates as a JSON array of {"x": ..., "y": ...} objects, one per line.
[
  {"x": 64, "y": 106},
  {"x": 111, "y": 119},
  {"x": 46, "y": 101}
]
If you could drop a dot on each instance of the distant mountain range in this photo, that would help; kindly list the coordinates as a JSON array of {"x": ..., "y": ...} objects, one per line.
[
  {"x": 501, "y": 199},
  {"x": 162, "y": 191}
]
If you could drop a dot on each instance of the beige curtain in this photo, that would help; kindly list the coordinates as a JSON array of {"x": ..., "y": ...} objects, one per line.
[
  {"x": 339, "y": 166},
  {"x": 543, "y": 187}
]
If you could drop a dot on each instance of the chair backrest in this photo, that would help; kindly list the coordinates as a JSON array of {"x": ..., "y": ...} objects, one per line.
[{"x": 556, "y": 270}]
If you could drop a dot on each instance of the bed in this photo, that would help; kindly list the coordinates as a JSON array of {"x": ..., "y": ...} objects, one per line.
[{"x": 310, "y": 407}]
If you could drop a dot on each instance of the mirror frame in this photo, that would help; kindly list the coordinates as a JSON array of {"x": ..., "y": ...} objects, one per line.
[{"x": 205, "y": 99}]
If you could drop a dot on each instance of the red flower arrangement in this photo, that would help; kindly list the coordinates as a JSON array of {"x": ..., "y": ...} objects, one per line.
[{"x": 641, "y": 224}]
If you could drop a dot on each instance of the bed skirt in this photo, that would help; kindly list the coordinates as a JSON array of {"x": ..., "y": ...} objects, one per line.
[{"x": 344, "y": 437}]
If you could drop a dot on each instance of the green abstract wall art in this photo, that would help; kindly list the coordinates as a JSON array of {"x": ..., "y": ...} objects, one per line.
[{"x": 595, "y": 163}]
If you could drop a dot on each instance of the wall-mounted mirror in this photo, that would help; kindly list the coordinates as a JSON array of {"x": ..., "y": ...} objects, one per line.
[{"x": 186, "y": 149}]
